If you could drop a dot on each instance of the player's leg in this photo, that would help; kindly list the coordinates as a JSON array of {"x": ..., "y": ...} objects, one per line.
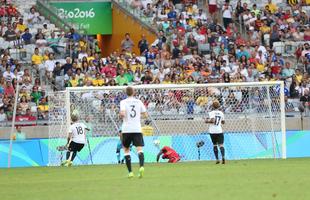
[
  {"x": 78, "y": 147},
  {"x": 138, "y": 142},
  {"x": 174, "y": 160},
  {"x": 71, "y": 154},
  {"x": 118, "y": 152},
  {"x": 215, "y": 149},
  {"x": 221, "y": 145},
  {"x": 126, "y": 141}
]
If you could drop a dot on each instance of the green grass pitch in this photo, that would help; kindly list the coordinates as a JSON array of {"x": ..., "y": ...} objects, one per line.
[{"x": 237, "y": 180}]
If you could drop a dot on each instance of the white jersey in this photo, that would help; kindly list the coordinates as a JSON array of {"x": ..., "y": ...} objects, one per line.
[
  {"x": 132, "y": 121},
  {"x": 78, "y": 132},
  {"x": 218, "y": 117}
]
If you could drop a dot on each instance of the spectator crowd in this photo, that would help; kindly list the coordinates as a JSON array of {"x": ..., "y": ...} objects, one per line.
[{"x": 234, "y": 42}]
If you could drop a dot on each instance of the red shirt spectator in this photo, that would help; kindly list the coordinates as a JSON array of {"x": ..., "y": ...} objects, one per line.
[
  {"x": 2, "y": 11},
  {"x": 9, "y": 89},
  {"x": 26, "y": 117},
  {"x": 109, "y": 71},
  {"x": 11, "y": 11},
  {"x": 276, "y": 69},
  {"x": 239, "y": 40}
]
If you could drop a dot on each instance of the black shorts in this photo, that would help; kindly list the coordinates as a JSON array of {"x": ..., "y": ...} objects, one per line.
[
  {"x": 217, "y": 138},
  {"x": 75, "y": 146},
  {"x": 135, "y": 138}
]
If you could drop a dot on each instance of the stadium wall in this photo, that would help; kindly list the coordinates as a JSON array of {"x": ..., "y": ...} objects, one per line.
[
  {"x": 34, "y": 152},
  {"x": 122, "y": 23},
  {"x": 292, "y": 123}
]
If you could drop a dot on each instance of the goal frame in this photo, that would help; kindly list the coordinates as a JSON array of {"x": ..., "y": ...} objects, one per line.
[{"x": 189, "y": 86}]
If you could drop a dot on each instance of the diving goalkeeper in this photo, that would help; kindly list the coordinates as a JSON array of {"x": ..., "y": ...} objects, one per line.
[{"x": 168, "y": 153}]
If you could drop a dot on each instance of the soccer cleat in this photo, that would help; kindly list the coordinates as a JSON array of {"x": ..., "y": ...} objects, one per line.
[
  {"x": 130, "y": 175},
  {"x": 63, "y": 163},
  {"x": 141, "y": 172},
  {"x": 217, "y": 162},
  {"x": 68, "y": 164},
  {"x": 223, "y": 161}
]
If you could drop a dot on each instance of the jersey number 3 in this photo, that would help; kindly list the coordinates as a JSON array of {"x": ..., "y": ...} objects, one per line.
[
  {"x": 79, "y": 130},
  {"x": 133, "y": 112}
]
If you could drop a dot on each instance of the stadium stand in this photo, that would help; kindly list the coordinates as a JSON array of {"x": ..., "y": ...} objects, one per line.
[{"x": 240, "y": 41}]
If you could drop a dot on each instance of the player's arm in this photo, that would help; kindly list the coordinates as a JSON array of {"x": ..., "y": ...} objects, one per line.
[
  {"x": 69, "y": 138},
  {"x": 144, "y": 115},
  {"x": 143, "y": 110},
  {"x": 122, "y": 112},
  {"x": 210, "y": 121},
  {"x": 223, "y": 119},
  {"x": 158, "y": 155}
]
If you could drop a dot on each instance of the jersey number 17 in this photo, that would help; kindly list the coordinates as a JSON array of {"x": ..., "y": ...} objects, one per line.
[{"x": 217, "y": 120}]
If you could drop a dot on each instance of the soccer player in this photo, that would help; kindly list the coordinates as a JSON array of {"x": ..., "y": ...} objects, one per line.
[
  {"x": 168, "y": 153},
  {"x": 119, "y": 146},
  {"x": 76, "y": 139},
  {"x": 216, "y": 119},
  {"x": 131, "y": 110}
]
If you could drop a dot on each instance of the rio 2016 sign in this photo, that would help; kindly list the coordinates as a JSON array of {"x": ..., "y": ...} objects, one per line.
[
  {"x": 94, "y": 17},
  {"x": 76, "y": 13}
]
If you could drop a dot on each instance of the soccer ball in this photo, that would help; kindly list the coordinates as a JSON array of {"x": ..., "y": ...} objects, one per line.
[
  {"x": 75, "y": 112},
  {"x": 156, "y": 142}
]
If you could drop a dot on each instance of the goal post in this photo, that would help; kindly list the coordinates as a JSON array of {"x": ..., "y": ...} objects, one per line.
[{"x": 254, "y": 115}]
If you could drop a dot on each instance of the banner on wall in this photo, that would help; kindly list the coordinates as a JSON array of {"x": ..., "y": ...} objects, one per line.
[
  {"x": 94, "y": 17},
  {"x": 35, "y": 152}
]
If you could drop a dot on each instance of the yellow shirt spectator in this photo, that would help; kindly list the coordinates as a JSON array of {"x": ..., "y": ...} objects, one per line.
[
  {"x": 98, "y": 82},
  {"x": 89, "y": 58},
  {"x": 45, "y": 57},
  {"x": 192, "y": 22},
  {"x": 87, "y": 78},
  {"x": 43, "y": 107},
  {"x": 82, "y": 45},
  {"x": 21, "y": 27},
  {"x": 36, "y": 59},
  {"x": 122, "y": 62},
  {"x": 299, "y": 78},
  {"x": 260, "y": 67},
  {"x": 74, "y": 82},
  {"x": 202, "y": 100},
  {"x": 166, "y": 82},
  {"x": 272, "y": 7},
  {"x": 265, "y": 29},
  {"x": 134, "y": 67}
]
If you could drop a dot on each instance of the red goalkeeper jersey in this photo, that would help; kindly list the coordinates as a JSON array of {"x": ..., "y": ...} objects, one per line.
[{"x": 169, "y": 153}]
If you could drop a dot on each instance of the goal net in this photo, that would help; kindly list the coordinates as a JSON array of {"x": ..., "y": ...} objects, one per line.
[{"x": 254, "y": 120}]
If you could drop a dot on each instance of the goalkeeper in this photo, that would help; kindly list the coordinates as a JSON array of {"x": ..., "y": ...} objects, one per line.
[
  {"x": 119, "y": 146},
  {"x": 168, "y": 153}
]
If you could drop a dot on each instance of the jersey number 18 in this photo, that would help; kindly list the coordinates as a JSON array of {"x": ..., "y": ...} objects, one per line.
[{"x": 79, "y": 130}]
